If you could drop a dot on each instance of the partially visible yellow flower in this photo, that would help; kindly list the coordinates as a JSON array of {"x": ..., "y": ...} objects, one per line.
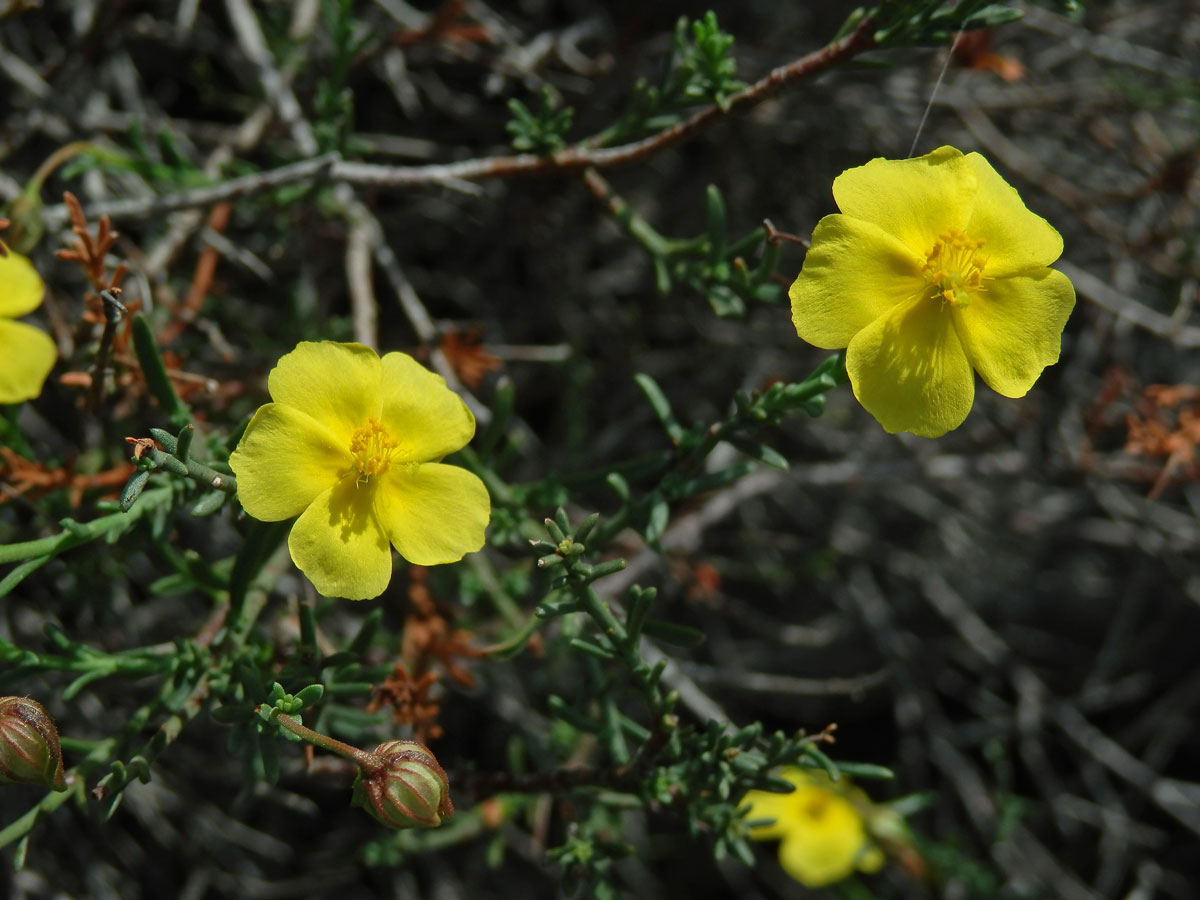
[
  {"x": 823, "y": 836},
  {"x": 26, "y": 354},
  {"x": 933, "y": 268},
  {"x": 350, "y": 445}
]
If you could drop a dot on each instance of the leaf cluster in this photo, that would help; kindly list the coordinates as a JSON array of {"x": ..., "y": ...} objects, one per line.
[
  {"x": 542, "y": 129},
  {"x": 699, "y": 772}
]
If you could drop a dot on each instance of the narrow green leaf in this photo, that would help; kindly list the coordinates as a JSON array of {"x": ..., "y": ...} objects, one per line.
[
  {"x": 209, "y": 503},
  {"x": 715, "y": 208},
  {"x": 585, "y": 528},
  {"x": 830, "y": 767},
  {"x": 593, "y": 649},
  {"x": 262, "y": 539},
  {"x": 656, "y": 524},
  {"x": 867, "y": 770},
  {"x": 673, "y": 633},
  {"x": 548, "y": 609},
  {"x": 503, "y": 402},
  {"x": 515, "y": 643},
  {"x": 712, "y": 481},
  {"x": 133, "y": 488},
  {"x": 572, "y": 716},
  {"x": 310, "y": 695},
  {"x": 640, "y": 601},
  {"x": 308, "y": 629},
  {"x": 155, "y": 373},
  {"x": 269, "y": 753},
  {"x": 608, "y": 567},
  {"x": 660, "y": 405},
  {"x": 619, "y": 485},
  {"x": 72, "y": 690},
  {"x": 761, "y": 452},
  {"x": 358, "y": 646},
  {"x": 183, "y": 442},
  {"x": 20, "y": 572}
]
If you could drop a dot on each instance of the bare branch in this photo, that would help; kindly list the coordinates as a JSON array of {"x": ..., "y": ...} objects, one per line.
[{"x": 573, "y": 159}]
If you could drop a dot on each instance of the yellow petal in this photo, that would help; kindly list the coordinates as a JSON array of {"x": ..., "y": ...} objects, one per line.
[
  {"x": 870, "y": 859},
  {"x": 854, "y": 272},
  {"x": 824, "y": 846},
  {"x": 427, "y": 418},
  {"x": 915, "y": 200},
  {"x": 909, "y": 370},
  {"x": 336, "y": 384},
  {"x": 1016, "y": 239},
  {"x": 26, "y": 357},
  {"x": 284, "y": 460},
  {"x": 787, "y": 808},
  {"x": 1013, "y": 330},
  {"x": 340, "y": 545},
  {"x": 21, "y": 288},
  {"x": 432, "y": 512},
  {"x": 767, "y": 805}
]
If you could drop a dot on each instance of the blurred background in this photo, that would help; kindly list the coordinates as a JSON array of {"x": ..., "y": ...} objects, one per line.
[{"x": 1007, "y": 616}]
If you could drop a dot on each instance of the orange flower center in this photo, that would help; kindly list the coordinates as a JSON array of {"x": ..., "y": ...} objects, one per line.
[
  {"x": 372, "y": 448},
  {"x": 816, "y": 805},
  {"x": 954, "y": 268}
]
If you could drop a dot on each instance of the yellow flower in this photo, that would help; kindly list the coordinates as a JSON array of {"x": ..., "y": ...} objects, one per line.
[
  {"x": 933, "y": 268},
  {"x": 350, "y": 445},
  {"x": 821, "y": 828},
  {"x": 26, "y": 354}
]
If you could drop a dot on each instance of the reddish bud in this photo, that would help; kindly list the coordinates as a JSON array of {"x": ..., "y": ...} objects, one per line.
[
  {"x": 403, "y": 786},
  {"x": 29, "y": 748}
]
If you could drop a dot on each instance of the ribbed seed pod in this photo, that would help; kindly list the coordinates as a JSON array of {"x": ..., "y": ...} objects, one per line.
[
  {"x": 404, "y": 786},
  {"x": 29, "y": 748}
]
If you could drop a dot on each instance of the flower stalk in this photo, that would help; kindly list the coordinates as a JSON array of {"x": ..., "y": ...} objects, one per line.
[
  {"x": 399, "y": 783},
  {"x": 324, "y": 741}
]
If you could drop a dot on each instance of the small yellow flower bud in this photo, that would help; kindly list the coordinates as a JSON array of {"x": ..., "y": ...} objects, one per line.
[
  {"x": 29, "y": 749},
  {"x": 403, "y": 786}
]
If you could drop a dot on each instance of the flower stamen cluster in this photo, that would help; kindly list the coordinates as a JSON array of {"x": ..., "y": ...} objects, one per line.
[
  {"x": 372, "y": 448},
  {"x": 954, "y": 267}
]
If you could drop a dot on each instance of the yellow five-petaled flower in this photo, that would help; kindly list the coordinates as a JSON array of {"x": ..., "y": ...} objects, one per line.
[
  {"x": 351, "y": 445},
  {"x": 26, "y": 354},
  {"x": 820, "y": 826},
  {"x": 934, "y": 267}
]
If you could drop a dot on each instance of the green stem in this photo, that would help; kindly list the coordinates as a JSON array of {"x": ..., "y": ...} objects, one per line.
[
  {"x": 197, "y": 471},
  {"x": 634, "y": 225},
  {"x": 361, "y": 757},
  {"x": 20, "y": 827},
  {"x": 504, "y": 604},
  {"x": 627, "y": 648},
  {"x": 749, "y": 242},
  {"x": 155, "y": 372},
  {"x": 109, "y": 788},
  {"x": 82, "y": 532}
]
